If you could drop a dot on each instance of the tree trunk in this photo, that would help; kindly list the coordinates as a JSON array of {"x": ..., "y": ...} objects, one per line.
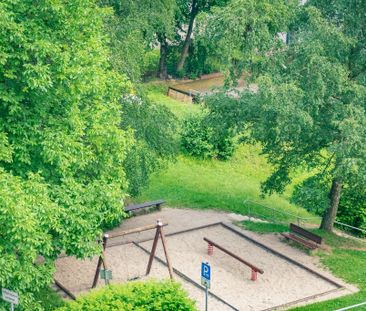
[
  {"x": 331, "y": 213},
  {"x": 163, "y": 68},
  {"x": 187, "y": 41}
]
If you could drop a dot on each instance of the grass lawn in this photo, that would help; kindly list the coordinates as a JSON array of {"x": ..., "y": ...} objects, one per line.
[
  {"x": 195, "y": 183},
  {"x": 180, "y": 109},
  {"x": 263, "y": 227},
  {"x": 217, "y": 184}
]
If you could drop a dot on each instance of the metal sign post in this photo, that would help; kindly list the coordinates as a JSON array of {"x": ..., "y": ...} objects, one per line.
[
  {"x": 11, "y": 297},
  {"x": 206, "y": 280}
]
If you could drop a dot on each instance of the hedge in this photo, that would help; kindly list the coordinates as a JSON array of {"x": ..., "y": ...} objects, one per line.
[{"x": 137, "y": 296}]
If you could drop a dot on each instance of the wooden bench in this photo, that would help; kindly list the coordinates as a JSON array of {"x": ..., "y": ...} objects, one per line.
[
  {"x": 134, "y": 207},
  {"x": 303, "y": 237}
]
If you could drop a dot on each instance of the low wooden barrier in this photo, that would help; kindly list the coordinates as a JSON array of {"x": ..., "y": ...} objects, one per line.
[
  {"x": 255, "y": 269},
  {"x": 182, "y": 95}
]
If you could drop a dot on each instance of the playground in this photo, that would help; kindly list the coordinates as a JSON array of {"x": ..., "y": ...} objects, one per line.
[{"x": 249, "y": 271}]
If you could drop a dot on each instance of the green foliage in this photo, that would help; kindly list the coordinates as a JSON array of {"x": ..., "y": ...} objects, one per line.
[
  {"x": 196, "y": 137},
  {"x": 150, "y": 295},
  {"x": 201, "y": 140},
  {"x": 264, "y": 227},
  {"x": 62, "y": 148},
  {"x": 150, "y": 62},
  {"x": 200, "y": 61},
  {"x": 154, "y": 128},
  {"x": 241, "y": 33},
  {"x": 352, "y": 207},
  {"x": 312, "y": 194},
  {"x": 309, "y": 111},
  {"x": 49, "y": 299},
  {"x": 134, "y": 28}
]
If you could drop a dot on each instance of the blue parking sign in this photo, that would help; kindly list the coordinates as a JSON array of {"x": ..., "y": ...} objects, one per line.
[
  {"x": 206, "y": 271},
  {"x": 206, "y": 280}
]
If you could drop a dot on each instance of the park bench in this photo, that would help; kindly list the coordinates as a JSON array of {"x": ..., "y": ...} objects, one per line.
[
  {"x": 303, "y": 237},
  {"x": 135, "y": 207}
]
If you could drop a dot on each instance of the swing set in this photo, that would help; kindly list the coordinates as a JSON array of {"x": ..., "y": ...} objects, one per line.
[{"x": 106, "y": 274}]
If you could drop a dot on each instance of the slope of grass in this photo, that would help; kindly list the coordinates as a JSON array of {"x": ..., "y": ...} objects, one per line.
[
  {"x": 196, "y": 183},
  {"x": 157, "y": 93},
  {"x": 180, "y": 109},
  {"x": 263, "y": 227}
]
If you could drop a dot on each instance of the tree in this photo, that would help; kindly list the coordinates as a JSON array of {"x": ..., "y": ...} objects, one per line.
[
  {"x": 136, "y": 27},
  {"x": 154, "y": 127},
  {"x": 188, "y": 11},
  {"x": 309, "y": 110},
  {"x": 242, "y": 33},
  {"x": 61, "y": 145}
]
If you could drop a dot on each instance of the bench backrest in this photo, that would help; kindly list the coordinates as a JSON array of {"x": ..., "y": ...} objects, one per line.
[
  {"x": 305, "y": 233},
  {"x": 143, "y": 205}
]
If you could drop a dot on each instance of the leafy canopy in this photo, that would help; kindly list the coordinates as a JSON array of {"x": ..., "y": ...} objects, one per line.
[
  {"x": 309, "y": 110},
  {"x": 61, "y": 145}
]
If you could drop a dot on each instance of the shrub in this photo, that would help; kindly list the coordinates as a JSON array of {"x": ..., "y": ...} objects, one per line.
[
  {"x": 196, "y": 138},
  {"x": 201, "y": 140},
  {"x": 151, "y": 62},
  {"x": 151, "y": 295}
]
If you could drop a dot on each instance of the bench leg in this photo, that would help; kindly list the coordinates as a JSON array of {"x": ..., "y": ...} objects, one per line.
[
  {"x": 254, "y": 275},
  {"x": 210, "y": 249}
]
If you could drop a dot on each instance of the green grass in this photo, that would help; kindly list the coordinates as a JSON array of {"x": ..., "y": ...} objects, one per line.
[
  {"x": 197, "y": 183},
  {"x": 263, "y": 227},
  {"x": 156, "y": 92},
  {"x": 181, "y": 110}
]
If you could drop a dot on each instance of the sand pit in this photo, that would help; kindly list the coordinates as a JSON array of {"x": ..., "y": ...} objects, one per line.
[
  {"x": 282, "y": 282},
  {"x": 286, "y": 281}
]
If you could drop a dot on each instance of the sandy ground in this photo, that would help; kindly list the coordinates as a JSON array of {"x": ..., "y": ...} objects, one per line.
[
  {"x": 282, "y": 282},
  {"x": 126, "y": 262}
]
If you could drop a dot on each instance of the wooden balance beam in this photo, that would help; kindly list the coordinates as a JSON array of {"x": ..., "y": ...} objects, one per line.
[{"x": 255, "y": 269}]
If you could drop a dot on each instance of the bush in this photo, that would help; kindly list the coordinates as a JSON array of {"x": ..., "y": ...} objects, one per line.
[
  {"x": 151, "y": 62},
  {"x": 196, "y": 138},
  {"x": 201, "y": 140},
  {"x": 151, "y": 295}
]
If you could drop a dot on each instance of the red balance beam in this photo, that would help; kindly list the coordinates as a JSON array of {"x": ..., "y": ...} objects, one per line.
[{"x": 253, "y": 267}]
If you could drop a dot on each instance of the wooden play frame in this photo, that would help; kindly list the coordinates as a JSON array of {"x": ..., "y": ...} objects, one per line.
[{"x": 159, "y": 232}]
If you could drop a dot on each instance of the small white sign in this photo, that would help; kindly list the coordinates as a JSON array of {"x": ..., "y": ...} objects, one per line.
[{"x": 10, "y": 296}]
